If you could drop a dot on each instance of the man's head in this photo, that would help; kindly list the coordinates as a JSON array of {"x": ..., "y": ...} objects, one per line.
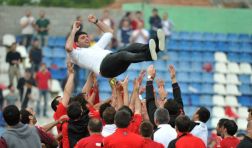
[
  {"x": 74, "y": 110},
  {"x": 249, "y": 114},
  {"x": 82, "y": 39},
  {"x": 249, "y": 128},
  {"x": 55, "y": 102},
  {"x": 42, "y": 14},
  {"x": 122, "y": 119},
  {"x": 127, "y": 109},
  {"x": 229, "y": 128},
  {"x": 146, "y": 129},
  {"x": 154, "y": 12},
  {"x": 13, "y": 47},
  {"x": 11, "y": 88},
  {"x": 139, "y": 14},
  {"x": 103, "y": 107},
  {"x": 108, "y": 115},
  {"x": 35, "y": 43},
  {"x": 79, "y": 18},
  {"x": 140, "y": 25},
  {"x": 11, "y": 115},
  {"x": 172, "y": 106},
  {"x": 28, "y": 83},
  {"x": 125, "y": 23},
  {"x": 27, "y": 74},
  {"x": 81, "y": 99},
  {"x": 94, "y": 125},
  {"x": 106, "y": 13},
  {"x": 27, "y": 116},
  {"x": 182, "y": 123},
  {"x": 28, "y": 13},
  {"x": 161, "y": 116},
  {"x": 202, "y": 114},
  {"x": 165, "y": 16},
  {"x": 219, "y": 126},
  {"x": 43, "y": 67}
]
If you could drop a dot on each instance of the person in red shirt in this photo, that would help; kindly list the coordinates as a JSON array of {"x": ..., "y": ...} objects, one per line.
[
  {"x": 229, "y": 130},
  {"x": 185, "y": 138},
  {"x": 95, "y": 139},
  {"x": 146, "y": 130},
  {"x": 43, "y": 77},
  {"x": 122, "y": 137}
]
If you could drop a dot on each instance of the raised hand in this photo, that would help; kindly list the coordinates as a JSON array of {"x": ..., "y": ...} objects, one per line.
[
  {"x": 141, "y": 76},
  {"x": 125, "y": 82},
  {"x": 151, "y": 71},
  {"x": 76, "y": 26},
  {"x": 70, "y": 67},
  {"x": 172, "y": 72},
  {"x": 92, "y": 18}
]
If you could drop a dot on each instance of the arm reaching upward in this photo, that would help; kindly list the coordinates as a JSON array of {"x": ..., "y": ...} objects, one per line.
[
  {"x": 70, "y": 40},
  {"x": 103, "y": 27},
  {"x": 69, "y": 85}
]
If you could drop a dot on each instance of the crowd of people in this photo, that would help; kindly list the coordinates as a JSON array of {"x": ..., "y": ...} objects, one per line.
[{"x": 123, "y": 119}]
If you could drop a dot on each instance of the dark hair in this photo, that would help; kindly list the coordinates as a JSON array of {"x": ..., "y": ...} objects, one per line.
[
  {"x": 162, "y": 116},
  {"x": 102, "y": 108},
  {"x": 77, "y": 34},
  {"x": 138, "y": 12},
  {"x": 11, "y": 115},
  {"x": 154, "y": 10},
  {"x": 108, "y": 115},
  {"x": 24, "y": 116},
  {"x": 28, "y": 70},
  {"x": 221, "y": 122},
  {"x": 122, "y": 119},
  {"x": 95, "y": 125},
  {"x": 9, "y": 86},
  {"x": 231, "y": 127},
  {"x": 183, "y": 123},
  {"x": 204, "y": 114},
  {"x": 80, "y": 98},
  {"x": 74, "y": 110},
  {"x": 146, "y": 129},
  {"x": 250, "y": 111},
  {"x": 172, "y": 106},
  {"x": 55, "y": 103},
  {"x": 126, "y": 108}
]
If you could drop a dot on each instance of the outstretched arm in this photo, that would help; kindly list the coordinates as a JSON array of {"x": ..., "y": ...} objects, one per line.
[
  {"x": 70, "y": 40},
  {"x": 69, "y": 85},
  {"x": 103, "y": 27}
]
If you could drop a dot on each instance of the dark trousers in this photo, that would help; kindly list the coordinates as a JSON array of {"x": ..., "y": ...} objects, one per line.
[
  {"x": 27, "y": 38},
  {"x": 116, "y": 63}
]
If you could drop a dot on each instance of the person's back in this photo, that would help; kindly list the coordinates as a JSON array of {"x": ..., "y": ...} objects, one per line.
[
  {"x": 190, "y": 141},
  {"x": 229, "y": 141}
]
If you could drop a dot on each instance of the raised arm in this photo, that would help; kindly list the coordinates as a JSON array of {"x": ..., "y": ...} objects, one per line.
[
  {"x": 125, "y": 91},
  {"x": 70, "y": 40},
  {"x": 103, "y": 27},
  {"x": 89, "y": 83},
  {"x": 69, "y": 85}
]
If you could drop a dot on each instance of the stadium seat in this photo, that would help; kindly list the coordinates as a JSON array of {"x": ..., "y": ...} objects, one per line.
[
  {"x": 196, "y": 46},
  {"x": 208, "y": 57},
  {"x": 220, "y": 57},
  {"x": 60, "y": 41},
  {"x": 242, "y": 123},
  {"x": 183, "y": 87},
  {"x": 185, "y": 35},
  {"x": 206, "y": 100},
  {"x": 245, "y": 68},
  {"x": 51, "y": 41},
  {"x": 218, "y": 112},
  {"x": 104, "y": 86},
  {"x": 186, "y": 56},
  {"x": 190, "y": 110},
  {"x": 233, "y": 68},
  {"x": 47, "y": 52},
  {"x": 132, "y": 74},
  {"x": 220, "y": 78},
  {"x": 173, "y": 56},
  {"x": 214, "y": 122},
  {"x": 196, "y": 66},
  {"x": 232, "y": 37},
  {"x": 22, "y": 50},
  {"x": 104, "y": 95},
  {"x": 246, "y": 47},
  {"x": 172, "y": 45},
  {"x": 135, "y": 66},
  {"x": 234, "y": 47},
  {"x": 47, "y": 61},
  {"x": 243, "y": 112},
  {"x": 208, "y": 36},
  {"x": 221, "y": 67},
  {"x": 207, "y": 78},
  {"x": 56, "y": 87},
  {"x": 183, "y": 66},
  {"x": 244, "y": 37},
  {"x": 59, "y": 52},
  {"x": 209, "y": 46},
  {"x": 160, "y": 65},
  {"x": 207, "y": 89},
  {"x": 60, "y": 62},
  {"x": 218, "y": 100},
  {"x": 220, "y": 37},
  {"x": 245, "y": 89},
  {"x": 58, "y": 74},
  {"x": 196, "y": 36},
  {"x": 221, "y": 46},
  {"x": 244, "y": 100},
  {"x": 219, "y": 89},
  {"x": 195, "y": 77},
  {"x": 183, "y": 77},
  {"x": 245, "y": 79},
  {"x": 232, "y": 90},
  {"x": 245, "y": 57},
  {"x": 233, "y": 57},
  {"x": 196, "y": 56},
  {"x": 195, "y": 100},
  {"x": 232, "y": 79},
  {"x": 195, "y": 88},
  {"x": 231, "y": 101}
]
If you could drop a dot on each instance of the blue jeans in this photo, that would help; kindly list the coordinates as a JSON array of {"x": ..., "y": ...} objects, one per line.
[{"x": 45, "y": 94}]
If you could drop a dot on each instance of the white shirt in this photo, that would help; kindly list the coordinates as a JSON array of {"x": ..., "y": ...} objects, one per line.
[
  {"x": 165, "y": 134},
  {"x": 140, "y": 38},
  {"x": 200, "y": 131},
  {"x": 29, "y": 28},
  {"x": 91, "y": 58},
  {"x": 108, "y": 130},
  {"x": 167, "y": 27}
]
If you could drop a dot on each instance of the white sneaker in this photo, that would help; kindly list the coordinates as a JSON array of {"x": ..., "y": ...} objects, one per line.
[
  {"x": 161, "y": 39},
  {"x": 152, "y": 48}
]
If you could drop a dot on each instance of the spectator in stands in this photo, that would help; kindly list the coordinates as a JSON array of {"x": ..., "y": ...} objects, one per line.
[
  {"x": 95, "y": 139},
  {"x": 140, "y": 35},
  {"x": 167, "y": 25},
  {"x": 164, "y": 133},
  {"x": 35, "y": 56},
  {"x": 124, "y": 33},
  {"x": 146, "y": 130},
  {"x": 27, "y": 24},
  {"x": 43, "y": 78},
  {"x": 42, "y": 27},
  {"x": 249, "y": 114},
  {"x": 185, "y": 139},
  {"x": 247, "y": 141},
  {"x": 127, "y": 16},
  {"x": 27, "y": 116},
  {"x": 229, "y": 130},
  {"x": 80, "y": 19},
  {"x": 155, "y": 22},
  {"x": 11, "y": 98},
  {"x": 139, "y": 17},
  {"x": 108, "y": 116},
  {"x": 106, "y": 19},
  {"x": 22, "y": 80},
  {"x": 13, "y": 57},
  {"x": 30, "y": 94},
  {"x": 199, "y": 127},
  {"x": 122, "y": 134},
  {"x": 18, "y": 134},
  {"x": 76, "y": 127}
]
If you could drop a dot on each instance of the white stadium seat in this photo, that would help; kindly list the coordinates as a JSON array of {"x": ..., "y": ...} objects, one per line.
[
  {"x": 218, "y": 112},
  {"x": 220, "y": 78},
  {"x": 221, "y": 67},
  {"x": 232, "y": 79},
  {"x": 218, "y": 100},
  {"x": 233, "y": 68},
  {"x": 220, "y": 57},
  {"x": 243, "y": 112},
  {"x": 245, "y": 68},
  {"x": 231, "y": 101},
  {"x": 56, "y": 86},
  {"x": 232, "y": 90},
  {"x": 242, "y": 123},
  {"x": 219, "y": 89}
]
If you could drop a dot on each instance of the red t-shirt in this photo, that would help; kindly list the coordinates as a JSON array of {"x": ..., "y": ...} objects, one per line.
[
  {"x": 93, "y": 141},
  {"x": 42, "y": 79},
  {"x": 65, "y": 140},
  {"x": 148, "y": 143},
  {"x": 61, "y": 110},
  {"x": 135, "y": 123},
  {"x": 229, "y": 142},
  {"x": 123, "y": 138},
  {"x": 190, "y": 141},
  {"x": 93, "y": 113}
]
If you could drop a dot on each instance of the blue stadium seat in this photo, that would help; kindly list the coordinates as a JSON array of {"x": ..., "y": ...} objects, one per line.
[
  {"x": 208, "y": 57},
  {"x": 206, "y": 100},
  {"x": 245, "y": 79},
  {"x": 121, "y": 76},
  {"x": 60, "y": 62},
  {"x": 235, "y": 47},
  {"x": 208, "y": 36},
  {"x": 51, "y": 41},
  {"x": 220, "y": 37},
  {"x": 196, "y": 56},
  {"x": 60, "y": 41},
  {"x": 245, "y": 57},
  {"x": 186, "y": 100},
  {"x": 58, "y": 74},
  {"x": 183, "y": 77},
  {"x": 82, "y": 74},
  {"x": 195, "y": 77},
  {"x": 195, "y": 88},
  {"x": 160, "y": 65},
  {"x": 183, "y": 66},
  {"x": 209, "y": 45},
  {"x": 189, "y": 110},
  {"x": 196, "y": 66},
  {"x": 245, "y": 89},
  {"x": 207, "y": 78},
  {"x": 175, "y": 35},
  {"x": 183, "y": 87},
  {"x": 47, "y": 52},
  {"x": 207, "y": 88},
  {"x": 195, "y": 99},
  {"x": 222, "y": 46},
  {"x": 232, "y": 37},
  {"x": 196, "y": 36},
  {"x": 184, "y": 45},
  {"x": 185, "y": 35},
  {"x": 135, "y": 66},
  {"x": 245, "y": 100},
  {"x": 197, "y": 45},
  {"x": 185, "y": 56},
  {"x": 47, "y": 61},
  {"x": 244, "y": 37},
  {"x": 173, "y": 56},
  {"x": 59, "y": 52},
  {"x": 246, "y": 47},
  {"x": 172, "y": 44},
  {"x": 233, "y": 57},
  {"x": 146, "y": 64},
  {"x": 132, "y": 74},
  {"x": 104, "y": 86}
]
